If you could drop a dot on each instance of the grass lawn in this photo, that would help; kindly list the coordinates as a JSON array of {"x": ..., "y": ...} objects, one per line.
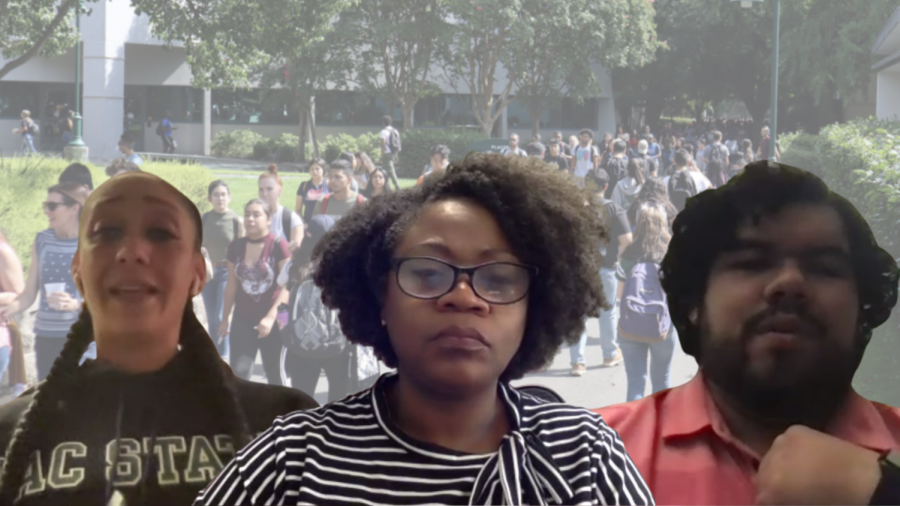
[{"x": 244, "y": 189}]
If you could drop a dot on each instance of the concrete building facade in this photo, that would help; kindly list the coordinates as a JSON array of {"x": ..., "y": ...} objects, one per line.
[{"x": 130, "y": 79}]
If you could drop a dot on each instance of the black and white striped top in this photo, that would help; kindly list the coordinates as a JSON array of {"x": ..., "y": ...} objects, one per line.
[{"x": 352, "y": 452}]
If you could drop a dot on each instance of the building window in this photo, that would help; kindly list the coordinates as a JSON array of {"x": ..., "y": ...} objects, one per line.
[
  {"x": 255, "y": 106},
  {"x": 183, "y": 102},
  {"x": 575, "y": 115},
  {"x": 334, "y": 107},
  {"x": 16, "y": 96},
  {"x": 429, "y": 111},
  {"x": 517, "y": 116}
]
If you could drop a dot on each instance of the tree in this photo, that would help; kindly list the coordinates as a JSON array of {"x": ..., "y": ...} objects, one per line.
[
  {"x": 719, "y": 51},
  {"x": 32, "y": 28},
  {"x": 236, "y": 43},
  {"x": 316, "y": 66},
  {"x": 481, "y": 36},
  {"x": 398, "y": 44},
  {"x": 565, "y": 37},
  {"x": 229, "y": 42}
]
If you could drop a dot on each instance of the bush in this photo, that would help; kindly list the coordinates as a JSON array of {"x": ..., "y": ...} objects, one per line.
[
  {"x": 417, "y": 145},
  {"x": 281, "y": 149},
  {"x": 24, "y": 183},
  {"x": 861, "y": 161},
  {"x": 235, "y": 144},
  {"x": 334, "y": 145}
]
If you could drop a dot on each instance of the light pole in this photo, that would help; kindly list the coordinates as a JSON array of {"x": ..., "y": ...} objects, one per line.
[
  {"x": 76, "y": 150},
  {"x": 773, "y": 114}
]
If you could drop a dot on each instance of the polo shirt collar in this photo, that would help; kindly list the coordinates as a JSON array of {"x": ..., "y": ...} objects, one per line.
[{"x": 689, "y": 410}]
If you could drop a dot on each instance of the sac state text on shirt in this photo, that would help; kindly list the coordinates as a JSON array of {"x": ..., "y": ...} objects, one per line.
[{"x": 63, "y": 469}]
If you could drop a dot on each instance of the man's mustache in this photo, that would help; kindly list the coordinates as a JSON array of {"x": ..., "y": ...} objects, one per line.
[{"x": 809, "y": 323}]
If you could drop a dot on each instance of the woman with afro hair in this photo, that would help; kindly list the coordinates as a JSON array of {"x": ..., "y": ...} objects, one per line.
[{"x": 462, "y": 284}]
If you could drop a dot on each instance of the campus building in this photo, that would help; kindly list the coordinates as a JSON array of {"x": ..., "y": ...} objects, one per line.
[
  {"x": 130, "y": 79},
  {"x": 887, "y": 45}
]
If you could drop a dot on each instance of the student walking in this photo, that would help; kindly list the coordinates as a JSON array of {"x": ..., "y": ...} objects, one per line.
[
  {"x": 221, "y": 227},
  {"x": 390, "y": 148}
]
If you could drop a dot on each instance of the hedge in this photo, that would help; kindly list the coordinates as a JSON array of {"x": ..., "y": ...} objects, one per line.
[
  {"x": 417, "y": 145},
  {"x": 24, "y": 182},
  {"x": 860, "y": 161}
]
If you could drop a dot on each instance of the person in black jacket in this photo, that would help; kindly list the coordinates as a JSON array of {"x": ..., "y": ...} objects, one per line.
[{"x": 158, "y": 414}]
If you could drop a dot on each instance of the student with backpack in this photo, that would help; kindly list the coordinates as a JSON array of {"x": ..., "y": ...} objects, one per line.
[
  {"x": 390, "y": 147},
  {"x": 644, "y": 322},
  {"x": 164, "y": 131},
  {"x": 627, "y": 189},
  {"x": 716, "y": 150},
  {"x": 616, "y": 166},
  {"x": 341, "y": 199},
  {"x": 619, "y": 238},
  {"x": 685, "y": 182},
  {"x": 28, "y": 128},
  {"x": 312, "y": 335},
  {"x": 285, "y": 223}
]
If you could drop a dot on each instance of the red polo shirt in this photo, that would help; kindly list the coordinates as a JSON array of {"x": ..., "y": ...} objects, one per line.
[{"x": 686, "y": 454}]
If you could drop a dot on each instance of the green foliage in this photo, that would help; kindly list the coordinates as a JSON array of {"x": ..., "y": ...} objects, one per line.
[
  {"x": 235, "y": 144},
  {"x": 282, "y": 149},
  {"x": 716, "y": 50},
  {"x": 44, "y": 27},
  {"x": 417, "y": 145},
  {"x": 860, "y": 161},
  {"x": 547, "y": 66},
  {"x": 24, "y": 182},
  {"x": 398, "y": 43},
  {"x": 369, "y": 142},
  {"x": 228, "y": 42}
]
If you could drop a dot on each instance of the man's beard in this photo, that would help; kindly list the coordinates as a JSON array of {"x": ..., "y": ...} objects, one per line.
[{"x": 792, "y": 391}]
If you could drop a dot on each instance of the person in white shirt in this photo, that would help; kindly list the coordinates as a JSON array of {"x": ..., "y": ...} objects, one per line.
[
  {"x": 513, "y": 148},
  {"x": 387, "y": 157},
  {"x": 270, "y": 188},
  {"x": 587, "y": 156},
  {"x": 126, "y": 146}
]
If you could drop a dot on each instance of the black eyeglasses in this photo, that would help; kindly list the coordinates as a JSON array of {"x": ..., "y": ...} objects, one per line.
[
  {"x": 496, "y": 282},
  {"x": 53, "y": 205}
]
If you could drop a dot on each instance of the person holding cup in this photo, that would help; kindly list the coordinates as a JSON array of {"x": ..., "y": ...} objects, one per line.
[{"x": 50, "y": 276}]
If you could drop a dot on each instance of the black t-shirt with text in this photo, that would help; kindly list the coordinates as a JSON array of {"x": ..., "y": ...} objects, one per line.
[{"x": 160, "y": 432}]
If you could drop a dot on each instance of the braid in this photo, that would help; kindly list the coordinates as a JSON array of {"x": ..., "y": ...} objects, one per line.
[
  {"x": 40, "y": 410},
  {"x": 196, "y": 342}
]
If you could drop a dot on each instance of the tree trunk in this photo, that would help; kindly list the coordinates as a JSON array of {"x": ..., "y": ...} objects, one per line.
[
  {"x": 534, "y": 112},
  {"x": 304, "y": 114},
  {"x": 653, "y": 109},
  {"x": 408, "y": 113},
  {"x": 312, "y": 128}
]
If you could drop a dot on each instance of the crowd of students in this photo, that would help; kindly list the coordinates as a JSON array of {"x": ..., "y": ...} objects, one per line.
[{"x": 771, "y": 281}]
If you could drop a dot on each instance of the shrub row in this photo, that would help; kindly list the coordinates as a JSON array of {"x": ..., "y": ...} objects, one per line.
[
  {"x": 24, "y": 182},
  {"x": 861, "y": 161},
  {"x": 415, "y": 155}
]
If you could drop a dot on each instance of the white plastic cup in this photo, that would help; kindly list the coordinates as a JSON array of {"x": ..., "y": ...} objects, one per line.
[{"x": 54, "y": 287}]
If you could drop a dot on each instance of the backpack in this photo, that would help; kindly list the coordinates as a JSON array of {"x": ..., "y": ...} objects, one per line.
[
  {"x": 313, "y": 330},
  {"x": 681, "y": 187},
  {"x": 718, "y": 152},
  {"x": 643, "y": 311},
  {"x": 359, "y": 200},
  {"x": 394, "y": 140},
  {"x": 33, "y": 128},
  {"x": 617, "y": 168},
  {"x": 159, "y": 129}
]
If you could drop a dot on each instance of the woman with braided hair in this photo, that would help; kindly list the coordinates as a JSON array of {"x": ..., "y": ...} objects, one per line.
[{"x": 158, "y": 414}]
